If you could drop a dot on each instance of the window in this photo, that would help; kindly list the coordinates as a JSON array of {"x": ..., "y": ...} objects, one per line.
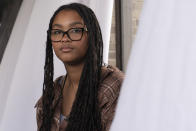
[{"x": 125, "y": 21}]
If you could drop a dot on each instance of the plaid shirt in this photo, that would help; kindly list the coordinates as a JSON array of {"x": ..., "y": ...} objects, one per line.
[{"x": 111, "y": 78}]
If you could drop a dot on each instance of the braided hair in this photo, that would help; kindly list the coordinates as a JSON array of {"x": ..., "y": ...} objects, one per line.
[{"x": 85, "y": 114}]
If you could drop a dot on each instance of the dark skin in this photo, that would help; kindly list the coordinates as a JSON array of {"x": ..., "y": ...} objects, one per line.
[{"x": 71, "y": 53}]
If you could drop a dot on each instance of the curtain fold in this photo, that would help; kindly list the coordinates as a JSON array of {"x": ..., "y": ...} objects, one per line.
[{"x": 158, "y": 93}]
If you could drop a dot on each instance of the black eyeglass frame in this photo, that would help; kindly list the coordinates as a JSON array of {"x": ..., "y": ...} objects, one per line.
[{"x": 66, "y": 32}]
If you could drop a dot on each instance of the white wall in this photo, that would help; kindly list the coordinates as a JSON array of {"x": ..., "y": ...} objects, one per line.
[
  {"x": 11, "y": 55},
  {"x": 21, "y": 73}
]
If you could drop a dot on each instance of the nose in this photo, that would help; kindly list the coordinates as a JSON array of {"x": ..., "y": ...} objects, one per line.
[{"x": 65, "y": 38}]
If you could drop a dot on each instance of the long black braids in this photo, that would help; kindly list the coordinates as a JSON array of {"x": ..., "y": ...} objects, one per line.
[
  {"x": 85, "y": 114},
  {"x": 48, "y": 85}
]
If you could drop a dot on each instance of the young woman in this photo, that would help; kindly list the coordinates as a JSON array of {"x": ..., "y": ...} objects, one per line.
[{"x": 85, "y": 98}]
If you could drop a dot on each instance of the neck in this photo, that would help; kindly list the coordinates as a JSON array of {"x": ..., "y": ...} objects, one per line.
[{"x": 74, "y": 73}]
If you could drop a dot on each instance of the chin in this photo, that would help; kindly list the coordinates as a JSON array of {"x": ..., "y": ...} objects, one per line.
[
  {"x": 66, "y": 58},
  {"x": 73, "y": 62},
  {"x": 67, "y": 61}
]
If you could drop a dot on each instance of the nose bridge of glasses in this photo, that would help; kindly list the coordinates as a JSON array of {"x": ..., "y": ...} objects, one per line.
[{"x": 65, "y": 34}]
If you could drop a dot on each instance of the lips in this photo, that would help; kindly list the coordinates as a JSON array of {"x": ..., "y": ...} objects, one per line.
[{"x": 66, "y": 49}]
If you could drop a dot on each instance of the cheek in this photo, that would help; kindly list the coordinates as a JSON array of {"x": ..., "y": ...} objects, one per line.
[
  {"x": 85, "y": 44},
  {"x": 56, "y": 49},
  {"x": 83, "y": 48}
]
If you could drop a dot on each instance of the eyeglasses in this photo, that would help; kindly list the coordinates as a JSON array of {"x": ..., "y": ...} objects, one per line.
[{"x": 74, "y": 34}]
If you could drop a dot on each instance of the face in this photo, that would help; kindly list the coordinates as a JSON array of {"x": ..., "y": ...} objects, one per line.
[{"x": 67, "y": 50}]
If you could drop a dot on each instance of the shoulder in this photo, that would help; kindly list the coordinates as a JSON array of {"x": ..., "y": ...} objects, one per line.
[
  {"x": 111, "y": 75},
  {"x": 57, "y": 84},
  {"x": 111, "y": 81},
  {"x": 109, "y": 90},
  {"x": 39, "y": 105}
]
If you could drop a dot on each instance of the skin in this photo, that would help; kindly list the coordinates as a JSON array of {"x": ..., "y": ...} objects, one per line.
[{"x": 71, "y": 53}]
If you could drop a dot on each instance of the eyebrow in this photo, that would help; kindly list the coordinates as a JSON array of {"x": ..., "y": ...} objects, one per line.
[
  {"x": 72, "y": 24},
  {"x": 76, "y": 23}
]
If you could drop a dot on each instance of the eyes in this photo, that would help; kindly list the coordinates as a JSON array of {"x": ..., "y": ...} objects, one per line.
[
  {"x": 70, "y": 31},
  {"x": 74, "y": 34},
  {"x": 56, "y": 32},
  {"x": 76, "y": 30}
]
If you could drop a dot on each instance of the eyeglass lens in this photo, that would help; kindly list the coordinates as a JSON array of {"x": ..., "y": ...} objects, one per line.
[{"x": 73, "y": 34}]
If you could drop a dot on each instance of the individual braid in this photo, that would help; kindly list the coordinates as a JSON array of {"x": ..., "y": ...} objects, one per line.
[
  {"x": 48, "y": 93},
  {"x": 48, "y": 85}
]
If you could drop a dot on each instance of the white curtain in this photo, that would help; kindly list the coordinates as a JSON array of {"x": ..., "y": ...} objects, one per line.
[
  {"x": 21, "y": 70},
  {"x": 159, "y": 91}
]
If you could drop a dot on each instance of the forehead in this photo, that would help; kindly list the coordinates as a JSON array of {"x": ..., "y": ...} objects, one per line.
[{"x": 67, "y": 18}]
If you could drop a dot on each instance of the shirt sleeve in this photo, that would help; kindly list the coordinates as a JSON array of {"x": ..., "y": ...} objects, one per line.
[
  {"x": 108, "y": 114},
  {"x": 109, "y": 101},
  {"x": 38, "y": 113}
]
